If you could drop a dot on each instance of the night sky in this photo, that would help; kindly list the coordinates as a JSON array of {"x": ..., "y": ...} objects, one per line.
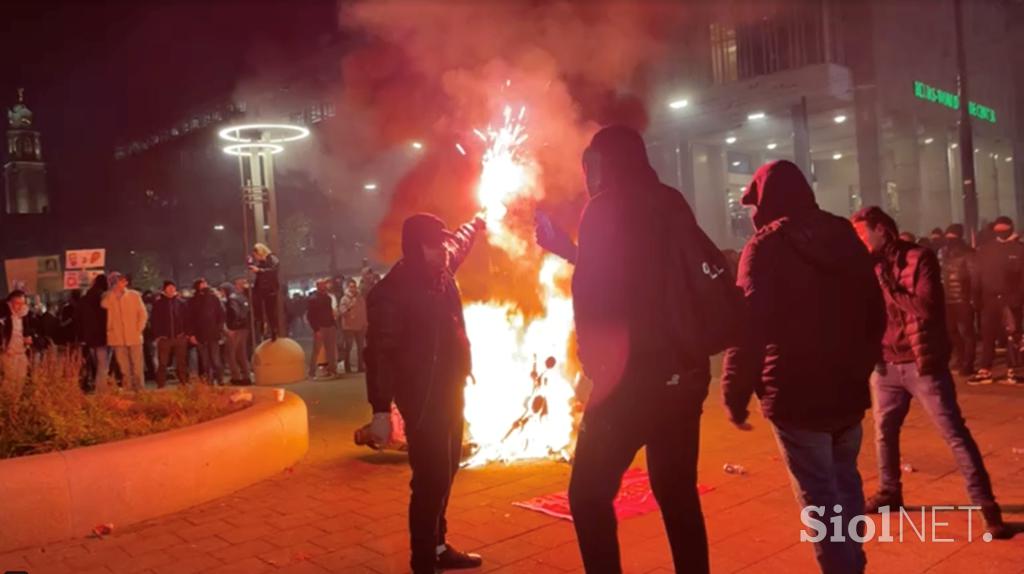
[{"x": 96, "y": 73}]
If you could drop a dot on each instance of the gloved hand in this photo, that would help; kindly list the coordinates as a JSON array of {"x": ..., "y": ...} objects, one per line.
[
  {"x": 479, "y": 223},
  {"x": 380, "y": 428}
]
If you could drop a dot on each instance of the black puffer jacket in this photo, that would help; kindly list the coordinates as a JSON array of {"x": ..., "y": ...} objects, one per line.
[
  {"x": 417, "y": 351},
  {"x": 915, "y": 305},
  {"x": 268, "y": 275},
  {"x": 1001, "y": 271},
  {"x": 958, "y": 272},
  {"x": 91, "y": 318},
  {"x": 205, "y": 316},
  {"x": 816, "y": 311}
]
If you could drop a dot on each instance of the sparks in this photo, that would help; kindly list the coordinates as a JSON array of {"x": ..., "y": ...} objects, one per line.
[{"x": 520, "y": 406}]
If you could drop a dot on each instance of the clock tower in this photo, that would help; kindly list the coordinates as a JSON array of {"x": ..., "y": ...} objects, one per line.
[{"x": 24, "y": 171}]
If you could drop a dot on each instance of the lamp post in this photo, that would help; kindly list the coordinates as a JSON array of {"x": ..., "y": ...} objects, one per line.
[
  {"x": 966, "y": 135},
  {"x": 255, "y": 145}
]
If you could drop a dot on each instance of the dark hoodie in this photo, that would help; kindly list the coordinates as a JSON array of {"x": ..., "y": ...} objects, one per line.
[
  {"x": 619, "y": 283},
  {"x": 816, "y": 310},
  {"x": 417, "y": 351},
  {"x": 91, "y": 317}
]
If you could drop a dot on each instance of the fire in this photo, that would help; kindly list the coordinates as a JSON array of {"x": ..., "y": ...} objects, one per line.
[{"x": 520, "y": 403}]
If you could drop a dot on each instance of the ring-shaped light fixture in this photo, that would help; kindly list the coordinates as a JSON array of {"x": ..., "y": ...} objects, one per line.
[
  {"x": 244, "y": 149},
  {"x": 275, "y": 133}
]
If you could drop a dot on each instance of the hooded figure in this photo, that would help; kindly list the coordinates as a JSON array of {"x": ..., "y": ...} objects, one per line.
[
  {"x": 648, "y": 392},
  {"x": 817, "y": 320},
  {"x": 418, "y": 355},
  {"x": 999, "y": 297}
]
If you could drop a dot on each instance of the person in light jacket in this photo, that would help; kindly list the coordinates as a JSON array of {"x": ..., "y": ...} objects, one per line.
[{"x": 126, "y": 319}]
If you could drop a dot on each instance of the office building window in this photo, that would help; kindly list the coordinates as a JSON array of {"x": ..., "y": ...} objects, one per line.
[{"x": 723, "y": 53}]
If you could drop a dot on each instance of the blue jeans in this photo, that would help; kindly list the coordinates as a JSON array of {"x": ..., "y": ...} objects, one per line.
[
  {"x": 893, "y": 386},
  {"x": 823, "y": 469}
]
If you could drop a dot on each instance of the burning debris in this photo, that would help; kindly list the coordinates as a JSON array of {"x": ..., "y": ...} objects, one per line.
[{"x": 514, "y": 411}]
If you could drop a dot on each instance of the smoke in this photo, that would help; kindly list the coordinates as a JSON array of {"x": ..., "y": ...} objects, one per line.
[{"x": 431, "y": 71}]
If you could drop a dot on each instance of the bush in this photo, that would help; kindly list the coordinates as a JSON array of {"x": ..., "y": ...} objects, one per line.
[{"x": 49, "y": 411}]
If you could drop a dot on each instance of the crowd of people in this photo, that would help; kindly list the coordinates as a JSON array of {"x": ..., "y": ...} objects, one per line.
[
  {"x": 822, "y": 313},
  {"x": 127, "y": 337}
]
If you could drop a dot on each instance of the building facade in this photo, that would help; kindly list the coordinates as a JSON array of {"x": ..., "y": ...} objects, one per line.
[{"x": 861, "y": 95}]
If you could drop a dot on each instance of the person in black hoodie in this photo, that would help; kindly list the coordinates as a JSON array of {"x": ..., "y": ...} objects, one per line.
[
  {"x": 418, "y": 355},
  {"x": 236, "y": 345},
  {"x": 817, "y": 320},
  {"x": 205, "y": 327},
  {"x": 1000, "y": 297},
  {"x": 959, "y": 270},
  {"x": 92, "y": 323},
  {"x": 915, "y": 364},
  {"x": 320, "y": 314},
  {"x": 648, "y": 392},
  {"x": 169, "y": 320}
]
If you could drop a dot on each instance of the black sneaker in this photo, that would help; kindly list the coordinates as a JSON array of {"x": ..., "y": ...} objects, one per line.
[
  {"x": 452, "y": 559},
  {"x": 982, "y": 377},
  {"x": 879, "y": 500}
]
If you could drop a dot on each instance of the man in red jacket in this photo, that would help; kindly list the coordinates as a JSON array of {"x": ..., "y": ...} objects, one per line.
[{"x": 915, "y": 364}]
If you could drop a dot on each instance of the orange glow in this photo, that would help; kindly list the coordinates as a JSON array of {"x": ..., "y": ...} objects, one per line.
[{"x": 520, "y": 405}]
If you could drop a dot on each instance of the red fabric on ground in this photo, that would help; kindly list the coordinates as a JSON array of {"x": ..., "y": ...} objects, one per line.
[{"x": 635, "y": 498}]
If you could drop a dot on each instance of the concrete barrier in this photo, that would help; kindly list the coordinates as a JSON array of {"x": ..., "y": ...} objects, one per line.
[
  {"x": 279, "y": 362},
  {"x": 61, "y": 495}
]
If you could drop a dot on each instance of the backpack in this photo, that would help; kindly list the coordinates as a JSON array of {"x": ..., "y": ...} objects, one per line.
[{"x": 704, "y": 307}]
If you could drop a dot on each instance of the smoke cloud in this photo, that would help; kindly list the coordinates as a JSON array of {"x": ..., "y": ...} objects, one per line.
[{"x": 432, "y": 71}]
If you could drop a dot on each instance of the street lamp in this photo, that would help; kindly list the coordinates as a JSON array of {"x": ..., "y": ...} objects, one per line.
[{"x": 255, "y": 146}]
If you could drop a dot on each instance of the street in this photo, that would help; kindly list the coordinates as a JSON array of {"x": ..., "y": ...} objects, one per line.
[{"x": 343, "y": 508}]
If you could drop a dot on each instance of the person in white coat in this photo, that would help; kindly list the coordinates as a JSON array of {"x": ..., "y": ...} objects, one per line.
[{"x": 126, "y": 319}]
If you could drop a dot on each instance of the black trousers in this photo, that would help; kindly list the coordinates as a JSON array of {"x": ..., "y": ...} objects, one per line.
[
  {"x": 962, "y": 334},
  {"x": 434, "y": 437},
  {"x": 998, "y": 317},
  {"x": 265, "y": 308},
  {"x": 666, "y": 420}
]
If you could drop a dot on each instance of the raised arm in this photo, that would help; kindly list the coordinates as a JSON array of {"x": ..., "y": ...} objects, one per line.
[{"x": 462, "y": 242}]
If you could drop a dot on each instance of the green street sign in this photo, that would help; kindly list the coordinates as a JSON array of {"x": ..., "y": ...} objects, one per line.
[{"x": 952, "y": 101}]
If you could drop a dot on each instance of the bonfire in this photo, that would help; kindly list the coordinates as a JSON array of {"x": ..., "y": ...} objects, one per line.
[{"x": 520, "y": 400}]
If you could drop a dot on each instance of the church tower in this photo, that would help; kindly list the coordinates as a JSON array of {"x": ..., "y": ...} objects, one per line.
[{"x": 24, "y": 171}]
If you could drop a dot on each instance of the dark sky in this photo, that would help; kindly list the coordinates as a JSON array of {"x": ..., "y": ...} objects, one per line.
[{"x": 99, "y": 72}]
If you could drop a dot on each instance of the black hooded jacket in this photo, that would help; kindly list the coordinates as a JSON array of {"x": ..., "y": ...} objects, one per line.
[
  {"x": 619, "y": 281},
  {"x": 91, "y": 317},
  {"x": 816, "y": 310},
  {"x": 417, "y": 351},
  {"x": 959, "y": 271}
]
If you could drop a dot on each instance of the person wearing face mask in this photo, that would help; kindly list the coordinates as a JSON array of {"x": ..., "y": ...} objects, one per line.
[
  {"x": 1000, "y": 299},
  {"x": 643, "y": 269},
  {"x": 205, "y": 328},
  {"x": 418, "y": 355},
  {"x": 817, "y": 320},
  {"x": 16, "y": 334}
]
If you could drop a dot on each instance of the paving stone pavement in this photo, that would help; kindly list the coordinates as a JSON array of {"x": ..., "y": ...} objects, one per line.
[{"x": 343, "y": 508}]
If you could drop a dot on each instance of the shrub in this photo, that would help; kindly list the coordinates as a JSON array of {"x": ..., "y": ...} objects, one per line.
[{"x": 50, "y": 411}]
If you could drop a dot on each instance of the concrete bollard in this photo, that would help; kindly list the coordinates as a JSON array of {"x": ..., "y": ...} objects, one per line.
[{"x": 279, "y": 362}]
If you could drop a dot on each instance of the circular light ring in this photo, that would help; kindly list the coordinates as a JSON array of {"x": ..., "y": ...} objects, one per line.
[
  {"x": 244, "y": 149},
  {"x": 285, "y": 133}
]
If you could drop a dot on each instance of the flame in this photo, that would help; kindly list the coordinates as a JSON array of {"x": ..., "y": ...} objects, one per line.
[{"x": 519, "y": 404}]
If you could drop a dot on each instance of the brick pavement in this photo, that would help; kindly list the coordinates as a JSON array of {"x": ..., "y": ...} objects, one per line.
[{"x": 343, "y": 509}]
